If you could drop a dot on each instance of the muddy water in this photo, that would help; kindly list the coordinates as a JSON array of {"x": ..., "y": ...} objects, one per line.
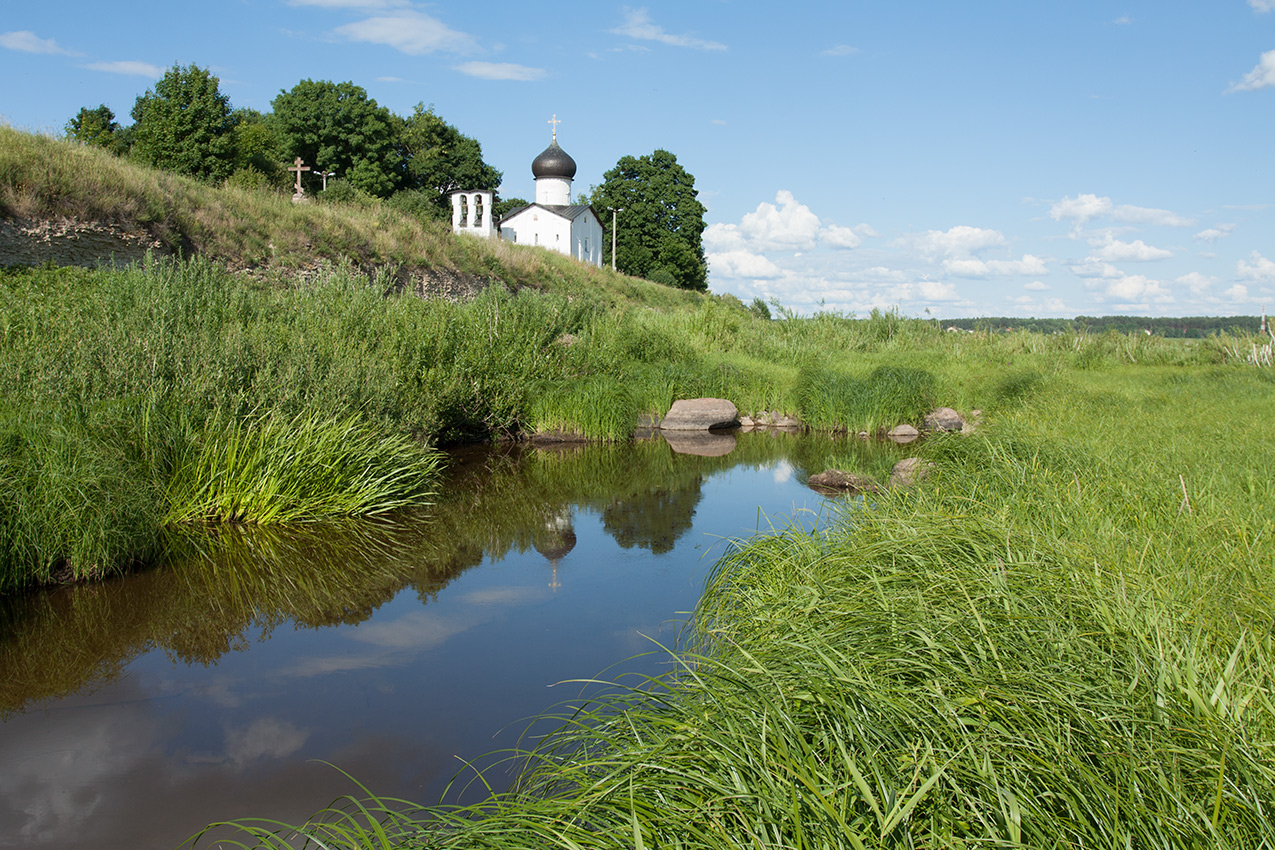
[{"x": 135, "y": 711}]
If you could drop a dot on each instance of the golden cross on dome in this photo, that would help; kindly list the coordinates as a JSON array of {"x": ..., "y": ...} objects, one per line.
[{"x": 555, "y": 122}]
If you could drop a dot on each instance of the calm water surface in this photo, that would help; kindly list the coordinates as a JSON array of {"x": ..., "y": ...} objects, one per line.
[{"x": 135, "y": 711}]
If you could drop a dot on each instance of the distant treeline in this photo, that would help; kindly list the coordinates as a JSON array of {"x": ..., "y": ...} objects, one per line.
[{"x": 1189, "y": 327}]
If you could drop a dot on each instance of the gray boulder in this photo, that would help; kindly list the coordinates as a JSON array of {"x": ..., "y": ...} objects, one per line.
[
  {"x": 903, "y": 433},
  {"x": 700, "y": 414},
  {"x": 836, "y": 479},
  {"x": 944, "y": 419}
]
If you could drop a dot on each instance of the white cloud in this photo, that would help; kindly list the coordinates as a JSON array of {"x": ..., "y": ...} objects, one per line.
[
  {"x": 1262, "y": 75},
  {"x": 136, "y": 69},
  {"x": 1036, "y": 286},
  {"x": 29, "y": 42},
  {"x": 974, "y": 267},
  {"x": 1259, "y": 269},
  {"x": 959, "y": 241},
  {"x": 1238, "y": 292},
  {"x": 501, "y": 71},
  {"x": 790, "y": 225},
  {"x": 266, "y": 737},
  {"x": 1092, "y": 267},
  {"x": 637, "y": 24},
  {"x": 1080, "y": 208},
  {"x": 743, "y": 264},
  {"x": 410, "y": 32},
  {"x": 933, "y": 290},
  {"x": 1148, "y": 215},
  {"x": 1213, "y": 234},
  {"x": 1138, "y": 287},
  {"x": 840, "y": 237},
  {"x": 1262, "y": 5},
  {"x": 719, "y": 122},
  {"x": 1198, "y": 283},
  {"x": 841, "y": 50},
  {"x": 1115, "y": 251},
  {"x": 390, "y": 80}
]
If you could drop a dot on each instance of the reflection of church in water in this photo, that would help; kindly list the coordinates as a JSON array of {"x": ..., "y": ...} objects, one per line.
[{"x": 555, "y": 539}]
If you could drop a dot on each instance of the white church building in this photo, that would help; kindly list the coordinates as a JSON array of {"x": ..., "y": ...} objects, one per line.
[{"x": 551, "y": 222}]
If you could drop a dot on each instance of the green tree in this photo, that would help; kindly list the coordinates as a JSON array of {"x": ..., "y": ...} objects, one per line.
[
  {"x": 337, "y": 127},
  {"x": 661, "y": 225},
  {"x": 258, "y": 149},
  {"x": 185, "y": 124},
  {"x": 95, "y": 127},
  {"x": 438, "y": 159}
]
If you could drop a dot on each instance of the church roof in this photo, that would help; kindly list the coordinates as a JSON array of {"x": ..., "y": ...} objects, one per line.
[
  {"x": 553, "y": 161},
  {"x": 570, "y": 212}
]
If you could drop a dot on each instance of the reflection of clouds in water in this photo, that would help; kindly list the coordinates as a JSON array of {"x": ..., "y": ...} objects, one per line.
[
  {"x": 265, "y": 737},
  {"x": 782, "y": 472},
  {"x": 57, "y": 775},
  {"x": 509, "y": 595}
]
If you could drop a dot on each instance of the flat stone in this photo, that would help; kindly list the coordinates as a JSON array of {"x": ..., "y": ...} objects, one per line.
[
  {"x": 836, "y": 479},
  {"x": 700, "y": 443},
  {"x": 903, "y": 433},
  {"x": 909, "y": 471},
  {"x": 700, "y": 414}
]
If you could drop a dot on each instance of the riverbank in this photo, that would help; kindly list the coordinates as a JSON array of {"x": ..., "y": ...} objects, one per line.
[
  {"x": 1062, "y": 640},
  {"x": 121, "y": 384}
]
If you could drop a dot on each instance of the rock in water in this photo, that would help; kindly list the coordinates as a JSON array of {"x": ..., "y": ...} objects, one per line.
[
  {"x": 944, "y": 419},
  {"x": 700, "y": 414},
  {"x": 836, "y": 479}
]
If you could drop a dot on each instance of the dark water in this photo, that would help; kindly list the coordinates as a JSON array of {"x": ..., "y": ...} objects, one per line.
[{"x": 135, "y": 711}]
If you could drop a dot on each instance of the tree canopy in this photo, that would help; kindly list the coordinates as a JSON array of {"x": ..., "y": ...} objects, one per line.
[
  {"x": 438, "y": 159},
  {"x": 660, "y": 228},
  {"x": 185, "y": 124},
  {"x": 337, "y": 127},
  {"x": 95, "y": 127}
]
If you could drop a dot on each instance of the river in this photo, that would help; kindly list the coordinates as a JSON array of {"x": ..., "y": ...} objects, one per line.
[{"x": 235, "y": 680}]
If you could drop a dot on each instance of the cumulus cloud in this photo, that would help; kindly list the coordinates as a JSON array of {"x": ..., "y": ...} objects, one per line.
[
  {"x": 1238, "y": 292},
  {"x": 410, "y": 32},
  {"x": 1262, "y": 76},
  {"x": 1092, "y": 267},
  {"x": 933, "y": 290},
  {"x": 1262, "y": 5},
  {"x": 29, "y": 42},
  {"x": 637, "y": 24},
  {"x": 1136, "y": 287},
  {"x": 786, "y": 224},
  {"x": 135, "y": 69},
  {"x": 1115, "y": 251},
  {"x": 501, "y": 71},
  {"x": 1256, "y": 268},
  {"x": 744, "y": 264},
  {"x": 1080, "y": 208},
  {"x": 974, "y": 267},
  {"x": 1198, "y": 283},
  {"x": 1213, "y": 234},
  {"x": 959, "y": 241},
  {"x": 1036, "y": 286},
  {"x": 1149, "y": 215}
]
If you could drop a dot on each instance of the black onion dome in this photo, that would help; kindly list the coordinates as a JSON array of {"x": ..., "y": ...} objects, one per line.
[{"x": 554, "y": 162}]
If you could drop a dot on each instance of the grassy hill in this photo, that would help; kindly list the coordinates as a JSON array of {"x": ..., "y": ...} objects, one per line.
[{"x": 246, "y": 229}]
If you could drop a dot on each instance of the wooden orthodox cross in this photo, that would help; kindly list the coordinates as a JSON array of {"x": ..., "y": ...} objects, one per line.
[{"x": 298, "y": 168}]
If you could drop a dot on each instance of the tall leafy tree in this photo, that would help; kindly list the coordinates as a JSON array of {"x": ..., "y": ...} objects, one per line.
[
  {"x": 661, "y": 227},
  {"x": 185, "y": 124},
  {"x": 95, "y": 127},
  {"x": 337, "y": 127},
  {"x": 438, "y": 159}
]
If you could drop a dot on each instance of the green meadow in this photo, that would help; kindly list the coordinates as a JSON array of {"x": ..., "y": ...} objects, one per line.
[{"x": 1061, "y": 638}]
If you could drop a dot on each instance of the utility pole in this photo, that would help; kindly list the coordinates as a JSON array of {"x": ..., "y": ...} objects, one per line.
[{"x": 614, "y": 210}]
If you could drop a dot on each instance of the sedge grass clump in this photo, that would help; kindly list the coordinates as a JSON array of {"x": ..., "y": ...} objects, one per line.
[
  {"x": 297, "y": 470},
  {"x": 599, "y": 407},
  {"x": 836, "y": 399}
]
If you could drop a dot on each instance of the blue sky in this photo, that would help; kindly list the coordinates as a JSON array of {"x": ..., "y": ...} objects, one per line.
[{"x": 980, "y": 158}]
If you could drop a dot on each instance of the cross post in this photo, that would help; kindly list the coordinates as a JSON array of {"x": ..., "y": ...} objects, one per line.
[{"x": 298, "y": 168}]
